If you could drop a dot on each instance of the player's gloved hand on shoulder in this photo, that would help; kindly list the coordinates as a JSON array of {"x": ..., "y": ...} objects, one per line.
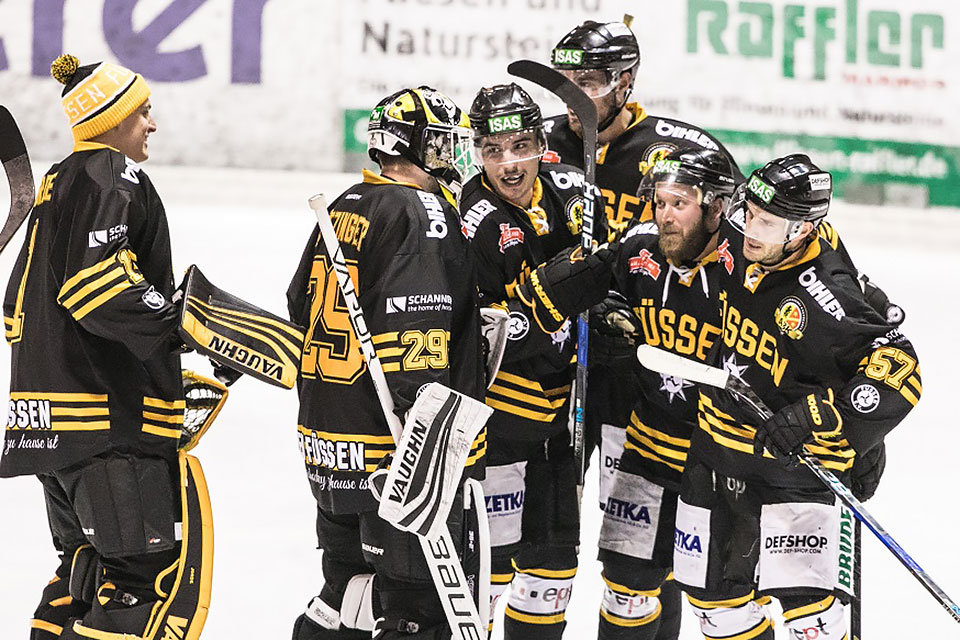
[
  {"x": 812, "y": 418},
  {"x": 613, "y": 326},
  {"x": 223, "y": 373},
  {"x": 867, "y": 470},
  {"x": 877, "y": 298},
  {"x": 567, "y": 284}
]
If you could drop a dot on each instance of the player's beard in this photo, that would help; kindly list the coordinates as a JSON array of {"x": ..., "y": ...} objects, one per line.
[
  {"x": 683, "y": 247},
  {"x": 605, "y": 106}
]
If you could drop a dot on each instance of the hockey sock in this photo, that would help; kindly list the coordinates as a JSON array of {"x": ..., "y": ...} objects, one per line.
[
  {"x": 627, "y": 614},
  {"x": 744, "y": 618}
]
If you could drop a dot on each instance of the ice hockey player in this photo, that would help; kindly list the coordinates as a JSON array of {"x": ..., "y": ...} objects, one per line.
[
  {"x": 95, "y": 386},
  {"x": 796, "y": 327},
  {"x": 602, "y": 59},
  {"x": 518, "y": 213},
  {"x": 402, "y": 242}
]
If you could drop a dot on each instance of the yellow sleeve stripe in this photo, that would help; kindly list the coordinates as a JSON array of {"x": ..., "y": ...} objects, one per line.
[
  {"x": 391, "y": 367},
  {"x": 159, "y": 417},
  {"x": 520, "y": 411},
  {"x": 526, "y": 398},
  {"x": 87, "y": 289},
  {"x": 380, "y": 338},
  {"x": 910, "y": 396},
  {"x": 170, "y": 405},
  {"x": 82, "y": 312},
  {"x": 659, "y": 435},
  {"x": 651, "y": 456},
  {"x": 85, "y": 274},
  {"x": 730, "y": 443},
  {"x": 58, "y": 397},
  {"x": 76, "y": 412},
  {"x": 390, "y": 352},
  {"x": 519, "y": 381},
  {"x": 163, "y": 432},
  {"x": 664, "y": 451}
]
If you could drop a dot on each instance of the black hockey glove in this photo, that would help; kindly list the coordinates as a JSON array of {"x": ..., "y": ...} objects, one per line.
[
  {"x": 613, "y": 326},
  {"x": 223, "y": 373},
  {"x": 867, "y": 469},
  {"x": 877, "y": 298},
  {"x": 813, "y": 418},
  {"x": 566, "y": 285}
]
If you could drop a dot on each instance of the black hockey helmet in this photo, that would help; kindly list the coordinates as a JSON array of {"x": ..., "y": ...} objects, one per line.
[
  {"x": 504, "y": 108},
  {"x": 425, "y": 127},
  {"x": 709, "y": 172},
  {"x": 610, "y": 46},
  {"x": 791, "y": 187}
]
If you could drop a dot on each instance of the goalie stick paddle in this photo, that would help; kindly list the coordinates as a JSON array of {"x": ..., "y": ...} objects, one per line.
[
  {"x": 447, "y": 572},
  {"x": 693, "y": 371},
  {"x": 16, "y": 164},
  {"x": 586, "y": 111}
]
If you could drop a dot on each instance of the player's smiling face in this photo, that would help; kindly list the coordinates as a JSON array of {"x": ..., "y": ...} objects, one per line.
[
  {"x": 511, "y": 162},
  {"x": 130, "y": 136}
]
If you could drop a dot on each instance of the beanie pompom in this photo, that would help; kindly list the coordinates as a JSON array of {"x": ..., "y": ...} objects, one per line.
[{"x": 64, "y": 67}]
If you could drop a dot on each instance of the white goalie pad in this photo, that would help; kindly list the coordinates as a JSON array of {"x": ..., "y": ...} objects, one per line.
[
  {"x": 426, "y": 469},
  {"x": 493, "y": 326}
]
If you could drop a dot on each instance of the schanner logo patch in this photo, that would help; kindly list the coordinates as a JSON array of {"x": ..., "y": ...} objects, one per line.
[
  {"x": 504, "y": 123},
  {"x": 567, "y": 56},
  {"x": 761, "y": 189},
  {"x": 791, "y": 317}
]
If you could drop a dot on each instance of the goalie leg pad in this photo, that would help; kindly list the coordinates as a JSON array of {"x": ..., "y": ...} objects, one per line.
[{"x": 238, "y": 334}]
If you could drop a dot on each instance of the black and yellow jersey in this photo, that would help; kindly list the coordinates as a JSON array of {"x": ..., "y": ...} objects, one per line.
[
  {"x": 532, "y": 389},
  {"x": 88, "y": 316},
  {"x": 677, "y": 311},
  {"x": 623, "y": 162},
  {"x": 415, "y": 282},
  {"x": 802, "y": 328}
]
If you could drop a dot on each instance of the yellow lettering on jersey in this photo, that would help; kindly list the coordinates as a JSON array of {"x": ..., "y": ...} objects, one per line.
[
  {"x": 350, "y": 227},
  {"x": 746, "y": 338},
  {"x": 620, "y": 209},
  {"x": 45, "y": 192},
  {"x": 175, "y": 628},
  {"x": 685, "y": 335}
]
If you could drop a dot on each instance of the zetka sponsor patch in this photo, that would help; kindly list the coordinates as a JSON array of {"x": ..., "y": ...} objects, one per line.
[
  {"x": 101, "y": 237},
  {"x": 419, "y": 303}
]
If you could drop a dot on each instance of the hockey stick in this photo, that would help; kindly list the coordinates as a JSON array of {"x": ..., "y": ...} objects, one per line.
[
  {"x": 678, "y": 366},
  {"x": 16, "y": 164},
  {"x": 440, "y": 553},
  {"x": 586, "y": 111}
]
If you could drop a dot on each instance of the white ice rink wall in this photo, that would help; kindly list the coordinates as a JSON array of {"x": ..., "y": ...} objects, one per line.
[{"x": 868, "y": 87}]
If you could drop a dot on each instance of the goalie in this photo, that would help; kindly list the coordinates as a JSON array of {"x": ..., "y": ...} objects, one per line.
[
  {"x": 96, "y": 403},
  {"x": 402, "y": 245}
]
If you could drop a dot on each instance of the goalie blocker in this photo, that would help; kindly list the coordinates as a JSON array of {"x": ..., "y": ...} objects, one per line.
[{"x": 238, "y": 334}]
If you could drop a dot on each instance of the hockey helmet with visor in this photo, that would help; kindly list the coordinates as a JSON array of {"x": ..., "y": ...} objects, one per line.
[
  {"x": 594, "y": 55},
  {"x": 502, "y": 117}
]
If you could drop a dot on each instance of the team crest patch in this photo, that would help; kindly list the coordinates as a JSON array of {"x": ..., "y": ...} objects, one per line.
[
  {"x": 654, "y": 154},
  {"x": 574, "y": 211},
  {"x": 644, "y": 263},
  {"x": 791, "y": 317},
  {"x": 865, "y": 398},
  {"x": 509, "y": 237}
]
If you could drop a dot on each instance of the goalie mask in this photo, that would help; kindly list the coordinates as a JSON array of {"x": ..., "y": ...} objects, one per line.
[
  {"x": 773, "y": 206},
  {"x": 425, "y": 127},
  {"x": 500, "y": 115}
]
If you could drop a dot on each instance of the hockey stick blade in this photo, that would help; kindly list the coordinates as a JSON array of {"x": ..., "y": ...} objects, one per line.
[
  {"x": 16, "y": 164},
  {"x": 693, "y": 371}
]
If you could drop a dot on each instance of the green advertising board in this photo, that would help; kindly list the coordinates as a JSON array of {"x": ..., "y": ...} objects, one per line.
[{"x": 862, "y": 169}]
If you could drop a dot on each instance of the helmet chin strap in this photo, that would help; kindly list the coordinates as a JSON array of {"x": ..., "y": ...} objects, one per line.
[{"x": 606, "y": 122}]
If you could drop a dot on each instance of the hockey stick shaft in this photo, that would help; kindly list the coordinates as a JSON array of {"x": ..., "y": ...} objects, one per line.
[
  {"x": 672, "y": 364},
  {"x": 586, "y": 111},
  {"x": 440, "y": 553},
  {"x": 16, "y": 165}
]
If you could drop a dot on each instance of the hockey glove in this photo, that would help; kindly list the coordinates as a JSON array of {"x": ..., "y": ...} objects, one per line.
[
  {"x": 613, "y": 326},
  {"x": 813, "y": 418},
  {"x": 567, "y": 284},
  {"x": 867, "y": 469}
]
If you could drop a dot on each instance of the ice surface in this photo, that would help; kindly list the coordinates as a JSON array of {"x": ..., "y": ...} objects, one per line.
[{"x": 246, "y": 230}]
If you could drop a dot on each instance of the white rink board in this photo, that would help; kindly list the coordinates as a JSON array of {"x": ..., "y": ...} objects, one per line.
[{"x": 246, "y": 229}]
